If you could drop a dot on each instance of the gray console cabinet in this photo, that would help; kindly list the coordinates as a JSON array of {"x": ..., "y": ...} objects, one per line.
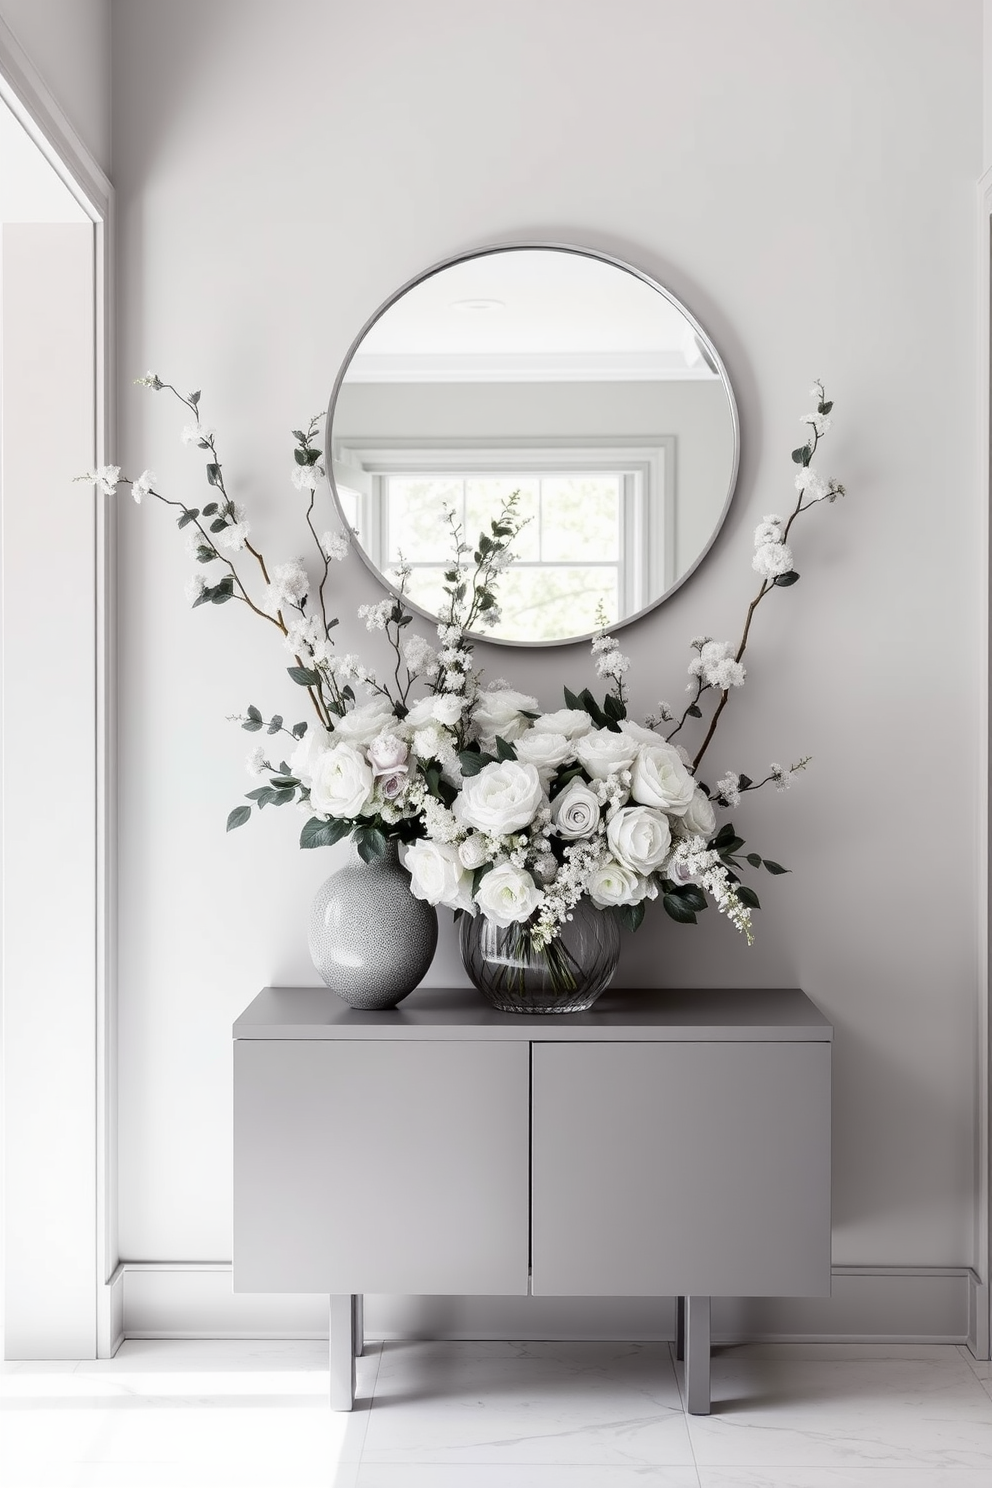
[{"x": 665, "y": 1143}]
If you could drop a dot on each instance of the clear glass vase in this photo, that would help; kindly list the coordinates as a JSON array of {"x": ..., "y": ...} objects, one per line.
[{"x": 564, "y": 977}]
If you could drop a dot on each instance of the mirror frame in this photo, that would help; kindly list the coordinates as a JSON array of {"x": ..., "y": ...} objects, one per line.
[{"x": 516, "y": 246}]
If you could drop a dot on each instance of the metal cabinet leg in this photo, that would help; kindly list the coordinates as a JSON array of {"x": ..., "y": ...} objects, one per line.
[
  {"x": 680, "y": 1328},
  {"x": 697, "y": 1356},
  {"x": 359, "y": 1324},
  {"x": 342, "y": 1351}
]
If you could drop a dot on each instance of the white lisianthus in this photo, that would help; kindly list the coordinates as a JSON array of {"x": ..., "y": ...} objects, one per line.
[
  {"x": 388, "y": 755},
  {"x": 640, "y": 838},
  {"x": 602, "y": 753},
  {"x": 508, "y": 895},
  {"x": 472, "y": 853},
  {"x": 572, "y": 722},
  {"x": 660, "y": 779},
  {"x": 700, "y": 819},
  {"x": 504, "y": 797},
  {"x": 575, "y": 811},
  {"x": 545, "y": 751},
  {"x": 361, "y": 724},
  {"x": 446, "y": 709},
  {"x": 610, "y": 884},
  {"x": 303, "y": 760},
  {"x": 501, "y": 714},
  {"x": 342, "y": 782},
  {"x": 772, "y": 559},
  {"x": 437, "y": 875}
]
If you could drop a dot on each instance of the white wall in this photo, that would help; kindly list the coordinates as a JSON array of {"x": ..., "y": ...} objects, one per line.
[
  {"x": 802, "y": 177},
  {"x": 68, "y": 41}
]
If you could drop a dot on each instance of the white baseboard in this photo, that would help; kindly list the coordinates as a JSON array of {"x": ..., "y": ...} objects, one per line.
[{"x": 869, "y": 1304}]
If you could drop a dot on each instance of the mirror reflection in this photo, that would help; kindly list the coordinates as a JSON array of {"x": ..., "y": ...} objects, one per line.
[{"x": 560, "y": 376}]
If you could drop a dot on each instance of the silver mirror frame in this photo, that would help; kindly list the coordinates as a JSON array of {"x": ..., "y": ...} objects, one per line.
[{"x": 706, "y": 346}]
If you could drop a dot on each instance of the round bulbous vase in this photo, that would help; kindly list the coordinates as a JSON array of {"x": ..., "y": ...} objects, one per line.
[
  {"x": 564, "y": 977},
  {"x": 371, "y": 941}
]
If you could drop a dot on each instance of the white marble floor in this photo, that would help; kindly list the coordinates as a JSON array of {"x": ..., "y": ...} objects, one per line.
[{"x": 499, "y": 1415}]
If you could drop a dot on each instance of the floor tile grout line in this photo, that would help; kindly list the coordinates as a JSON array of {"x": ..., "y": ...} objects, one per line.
[
  {"x": 368, "y": 1414},
  {"x": 678, "y": 1386}
]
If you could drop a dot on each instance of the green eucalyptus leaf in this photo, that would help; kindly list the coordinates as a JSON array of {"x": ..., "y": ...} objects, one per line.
[
  {"x": 275, "y": 725},
  {"x": 218, "y": 525},
  {"x": 776, "y": 868},
  {"x": 303, "y": 676},
  {"x": 744, "y": 781},
  {"x": 694, "y": 711},
  {"x": 473, "y": 760},
  {"x": 238, "y": 817},
  {"x": 298, "y": 730},
  {"x": 223, "y": 591},
  {"x": 754, "y": 860},
  {"x": 317, "y": 833},
  {"x": 786, "y": 580},
  {"x": 254, "y": 714},
  {"x": 189, "y": 515},
  {"x": 210, "y": 508},
  {"x": 371, "y": 843},
  {"x": 504, "y": 750},
  {"x": 213, "y": 474}
]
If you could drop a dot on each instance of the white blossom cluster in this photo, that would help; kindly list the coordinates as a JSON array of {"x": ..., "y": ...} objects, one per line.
[
  {"x": 772, "y": 554},
  {"x": 287, "y": 589},
  {"x": 694, "y": 862},
  {"x": 609, "y": 661},
  {"x": 307, "y": 477},
  {"x": 716, "y": 665}
]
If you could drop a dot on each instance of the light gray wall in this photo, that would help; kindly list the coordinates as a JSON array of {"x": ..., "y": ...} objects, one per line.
[
  {"x": 696, "y": 413},
  {"x": 68, "y": 41},
  {"x": 802, "y": 177}
]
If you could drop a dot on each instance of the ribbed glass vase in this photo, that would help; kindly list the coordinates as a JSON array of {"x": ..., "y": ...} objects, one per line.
[{"x": 564, "y": 977}]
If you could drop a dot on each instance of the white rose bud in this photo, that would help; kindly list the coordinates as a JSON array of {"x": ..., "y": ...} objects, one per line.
[
  {"x": 640, "y": 838},
  {"x": 342, "y": 782},
  {"x": 700, "y": 819},
  {"x": 472, "y": 853},
  {"x": 437, "y": 875},
  {"x": 660, "y": 779},
  {"x": 447, "y": 709},
  {"x": 388, "y": 755},
  {"x": 610, "y": 883},
  {"x": 504, "y": 797},
  {"x": 572, "y": 722},
  {"x": 362, "y": 724},
  {"x": 575, "y": 811},
  {"x": 508, "y": 895},
  {"x": 602, "y": 753},
  {"x": 501, "y": 713}
]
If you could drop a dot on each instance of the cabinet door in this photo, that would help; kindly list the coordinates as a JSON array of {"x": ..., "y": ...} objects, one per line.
[
  {"x": 380, "y": 1166},
  {"x": 681, "y": 1168}
]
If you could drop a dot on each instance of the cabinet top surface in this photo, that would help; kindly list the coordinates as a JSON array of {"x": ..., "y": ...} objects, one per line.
[{"x": 782, "y": 1014}]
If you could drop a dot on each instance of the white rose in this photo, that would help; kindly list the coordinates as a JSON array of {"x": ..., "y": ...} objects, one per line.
[
  {"x": 572, "y": 722},
  {"x": 640, "y": 838},
  {"x": 545, "y": 751},
  {"x": 447, "y": 709},
  {"x": 661, "y": 779},
  {"x": 504, "y": 797},
  {"x": 437, "y": 875},
  {"x": 575, "y": 811},
  {"x": 361, "y": 725},
  {"x": 501, "y": 713},
  {"x": 387, "y": 755},
  {"x": 472, "y": 853},
  {"x": 342, "y": 782},
  {"x": 700, "y": 819},
  {"x": 611, "y": 883},
  {"x": 640, "y": 733},
  {"x": 303, "y": 760},
  {"x": 422, "y": 712},
  {"x": 602, "y": 753},
  {"x": 508, "y": 895}
]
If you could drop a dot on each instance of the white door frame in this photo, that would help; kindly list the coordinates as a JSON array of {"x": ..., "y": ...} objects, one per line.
[
  {"x": 25, "y": 93},
  {"x": 980, "y": 1321}
]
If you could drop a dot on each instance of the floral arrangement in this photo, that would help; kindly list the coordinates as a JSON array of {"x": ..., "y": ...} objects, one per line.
[{"x": 501, "y": 809}]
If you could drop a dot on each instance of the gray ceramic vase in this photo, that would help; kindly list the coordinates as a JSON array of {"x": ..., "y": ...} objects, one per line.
[{"x": 370, "y": 939}]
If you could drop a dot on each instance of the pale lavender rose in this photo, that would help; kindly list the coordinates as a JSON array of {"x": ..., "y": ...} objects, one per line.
[{"x": 388, "y": 755}]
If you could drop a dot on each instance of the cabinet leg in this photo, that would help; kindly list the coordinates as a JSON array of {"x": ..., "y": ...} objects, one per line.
[
  {"x": 359, "y": 1324},
  {"x": 680, "y": 1328},
  {"x": 342, "y": 1351},
  {"x": 697, "y": 1356}
]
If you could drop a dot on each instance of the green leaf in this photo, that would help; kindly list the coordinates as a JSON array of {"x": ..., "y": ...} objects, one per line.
[
  {"x": 564, "y": 777},
  {"x": 754, "y": 860},
  {"x": 504, "y": 750},
  {"x": 825, "y": 407},
  {"x": 692, "y": 895},
  {"x": 238, "y": 817},
  {"x": 371, "y": 843},
  {"x": 300, "y": 456},
  {"x": 254, "y": 714},
  {"x": 797, "y": 455},
  {"x": 734, "y": 845},
  {"x": 189, "y": 515},
  {"x": 614, "y": 708},
  {"x": 473, "y": 760},
  {"x": 205, "y": 553},
  {"x": 213, "y": 474},
  {"x": 303, "y": 676},
  {"x": 298, "y": 730},
  {"x": 571, "y": 701},
  {"x": 747, "y": 896},
  {"x": 254, "y": 795},
  {"x": 631, "y": 915},
  {"x": 299, "y": 435},
  {"x": 694, "y": 711},
  {"x": 317, "y": 833},
  {"x": 275, "y": 725},
  {"x": 194, "y": 398},
  {"x": 281, "y": 797},
  {"x": 218, "y": 525},
  {"x": 209, "y": 509},
  {"x": 479, "y": 875},
  {"x": 784, "y": 581},
  {"x": 252, "y": 725},
  {"x": 267, "y": 796},
  {"x": 776, "y": 868},
  {"x": 726, "y": 834},
  {"x": 591, "y": 706},
  {"x": 676, "y": 906},
  {"x": 744, "y": 781},
  {"x": 223, "y": 591}
]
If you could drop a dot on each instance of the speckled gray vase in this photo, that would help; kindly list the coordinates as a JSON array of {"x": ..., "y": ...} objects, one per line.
[{"x": 370, "y": 939}]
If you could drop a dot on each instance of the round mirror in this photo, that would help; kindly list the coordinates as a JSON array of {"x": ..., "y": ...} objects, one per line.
[{"x": 557, "y": 378}]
